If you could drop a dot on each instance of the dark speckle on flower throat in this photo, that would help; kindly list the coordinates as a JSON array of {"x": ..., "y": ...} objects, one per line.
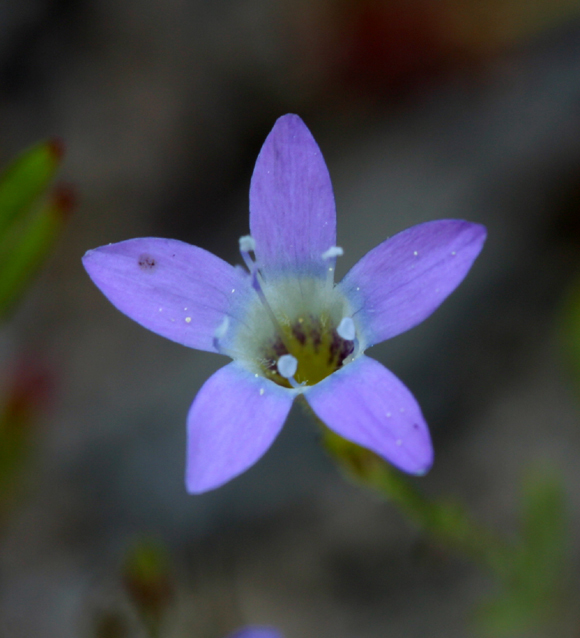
[{"x": 316, "y": 345}]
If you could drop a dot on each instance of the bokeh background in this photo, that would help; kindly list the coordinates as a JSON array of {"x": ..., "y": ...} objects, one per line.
[{"x": 423, "y": 110}]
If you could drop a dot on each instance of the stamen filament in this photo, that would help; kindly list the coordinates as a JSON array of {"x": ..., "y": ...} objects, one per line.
[
  {"x": 330, "y": 256},
  {"x": 248, "y": 244}
]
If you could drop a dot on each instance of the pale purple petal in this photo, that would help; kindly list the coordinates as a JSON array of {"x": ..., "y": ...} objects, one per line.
[
  {"x": 256, "y": 632},
  {"x": 233, "y": 421},
  {"x": 179, "y": 291},
  {"x": 292, "y": 213},
  {"x": 366, "y": 404},
  {"x": 403, "y": 280}
]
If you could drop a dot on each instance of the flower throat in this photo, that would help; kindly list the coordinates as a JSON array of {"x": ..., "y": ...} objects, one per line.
[{"x": 302, "y": 334}]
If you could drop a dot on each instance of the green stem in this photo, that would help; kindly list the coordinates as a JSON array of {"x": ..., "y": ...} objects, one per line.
[{"x": 448, "y": 523}]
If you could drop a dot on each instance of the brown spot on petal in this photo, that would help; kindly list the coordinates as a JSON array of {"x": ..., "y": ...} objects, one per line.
[{"x": 146, "y": 262}]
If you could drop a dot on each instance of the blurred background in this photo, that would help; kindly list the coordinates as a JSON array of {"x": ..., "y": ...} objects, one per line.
[{"x": 423, "y": 110}]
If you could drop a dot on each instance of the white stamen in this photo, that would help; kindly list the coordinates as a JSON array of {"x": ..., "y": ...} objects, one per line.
[
  {"x": 261, "y": 391},
  {"x": 287, "y": 366},
  {"x": 346, "y": 329},
  {"x": 333, "y": 251},
  {"x": 187, "y": 319},
  {"x": 247, "y": 244},
  {"x": 257, "y": 286},
  {"x": 331, "y": 254}
]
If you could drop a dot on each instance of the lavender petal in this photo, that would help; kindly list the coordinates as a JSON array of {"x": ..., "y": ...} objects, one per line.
[
  {"x": 232, "y": 422},
  {"x": 179, "y": 291},
  {"x": 403, "y": 280},
  {"x": 366, "y": 404},
  {"x": 292, "y": 212}
]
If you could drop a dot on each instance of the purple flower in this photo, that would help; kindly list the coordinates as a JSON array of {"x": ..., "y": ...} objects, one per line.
[
  {"x": 256, "y": 632},
  {"x": 288, "y": 328}
]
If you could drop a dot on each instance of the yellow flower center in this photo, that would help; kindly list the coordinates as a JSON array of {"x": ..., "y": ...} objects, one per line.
[{"x": 315, "y": 344}]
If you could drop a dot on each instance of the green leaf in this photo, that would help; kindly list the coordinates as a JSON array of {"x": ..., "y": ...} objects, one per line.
[
  {"x": 27, "y": 245},
  {"x": 543, "y": 530},
  {"x": 509, "y": 615},
  {"x": 25, "y": 180}
]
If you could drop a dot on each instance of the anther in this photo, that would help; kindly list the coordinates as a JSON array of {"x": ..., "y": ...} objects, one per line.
[
  {"x": 330, "y": 255},
  {"x": 248, "y": 245},
  {"x": 287, "y": 366},
  {"x": 332, "y": 252},
  {"x": 346, "y": 329}
]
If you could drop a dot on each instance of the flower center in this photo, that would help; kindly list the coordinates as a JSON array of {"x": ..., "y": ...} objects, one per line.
[
  {"x": 297, "y": 329},
  {"x": 301, "y": 321},
  {"x": 315, "y": 344}
]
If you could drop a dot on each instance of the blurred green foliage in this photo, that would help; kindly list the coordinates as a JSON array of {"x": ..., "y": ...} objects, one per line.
[
  {"x": 533, "y": 592},
  {"x": 31, "y": 217},
  {"x": 26, "y": 179},
  {"x": 148, "y": 581},
  {"x": 14, "y": 447},
  {"x": 26, "y": 391},
  {"x": 445, "y": 522},
  {"x": 529, "y": 568},
  {"x": 32, "y": 214}
]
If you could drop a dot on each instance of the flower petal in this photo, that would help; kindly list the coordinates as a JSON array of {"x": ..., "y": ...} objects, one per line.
[
  {"x": 366, "y": 404},
  {"x": 232, "y": 422},
  {"x": 292, "y": 213},
  {"x": 403, "y": 280},
  {"x": 256, "y": 632},
  {"x": 179, "y": 291}
]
